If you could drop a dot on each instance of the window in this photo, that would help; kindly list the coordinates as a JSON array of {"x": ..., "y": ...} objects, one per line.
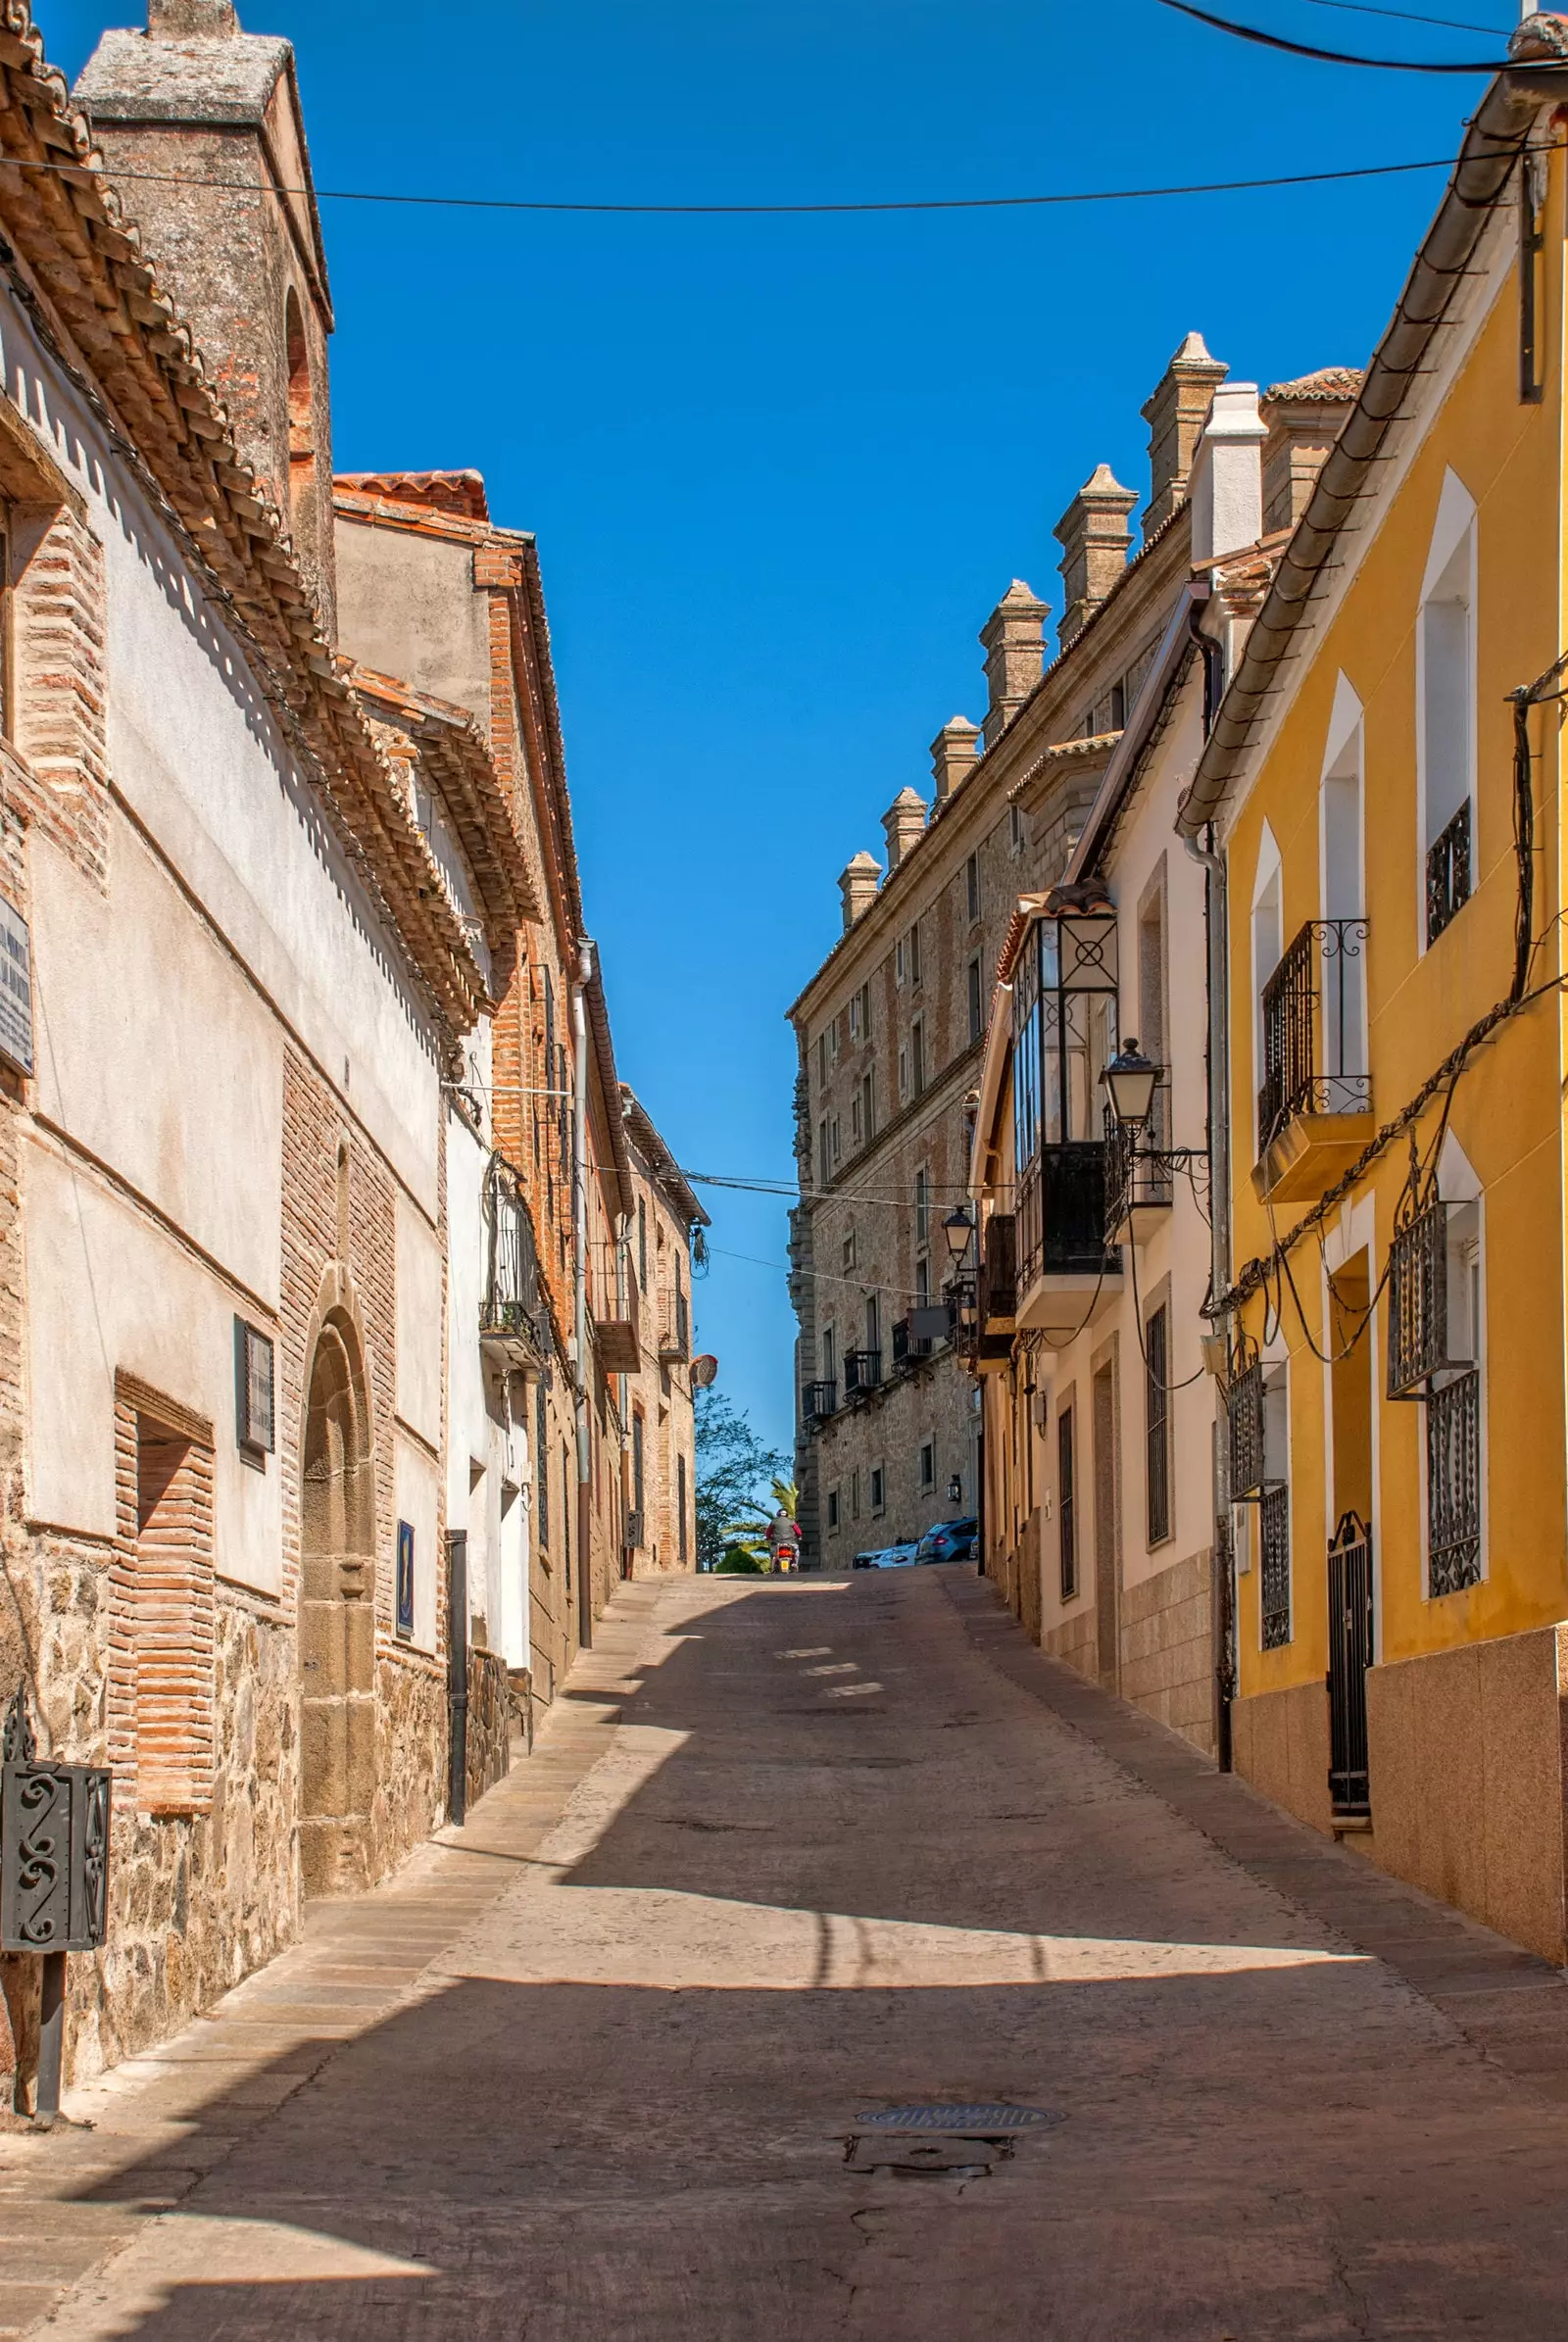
[
  {"x": 976, "y": 1002},
  {"x": 914, "y": 953},
  {"x": 1453, "y": 1410},
  {"x": 830, "y": 1353},
  {"x": 1157, "y": 1423},
  {"x": 922, "y": 1207},
  {"x": 832, "y": 1512},
  {"x": 1154, "y": 980},
  {"x": 252, "y": 1394},
  {"x": 680, "y": 1500},
  {"x": 854, "y": 1018},
  {"x": 854, "y": 1495},
  {"x": 642, "y": 1243},
  {"x": 1015, "y": 830},
  {"x": 861, "y": 1014},
  {"x": 1274, "y": 1514},
  {"x": 903, "y": 1072},
  {"x": 971, "y": 886},
  {"x": 541, "y": 1469},
  {"x": 928, "y": 1464},
  {"x": 1066, "y": 1505},
  {"x": 824, "y": 1155},
  {"x": 1445, "y": 701},
  {"x": 833, "y": 1042},
  {"x": 923, "y": 1281},
  {"x": 869, "y": 1105},
  {"x": 898, "y": 961},
  {"x": 917, "y": 1055},
  {"x": 873, "y": 1322},
  {"x": 833, "y": 1137},
  {"x": 1342, "y": 963},
  {"x": 1268, "y": 944},
  {"x": 855, "y": 1131},
  {"x": 821, "y": 1059},
  {"x": 878, "y": 1489},
  {"x": 847, "y": 1251}
]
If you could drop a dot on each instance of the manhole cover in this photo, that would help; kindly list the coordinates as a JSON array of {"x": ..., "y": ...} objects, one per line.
[{"x": 973, "y": 2121}]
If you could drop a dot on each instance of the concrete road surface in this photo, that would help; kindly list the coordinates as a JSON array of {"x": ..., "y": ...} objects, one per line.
[{"x": 790, "y": 1856}]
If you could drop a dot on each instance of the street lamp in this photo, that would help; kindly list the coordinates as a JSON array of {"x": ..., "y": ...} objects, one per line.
[
  {"x": 958, "y": 1228},
  {"x": 1130, "y": 1081}
]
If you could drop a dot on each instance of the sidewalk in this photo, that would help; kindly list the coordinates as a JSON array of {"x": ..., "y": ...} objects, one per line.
[{"x": 161, "y": 2121}]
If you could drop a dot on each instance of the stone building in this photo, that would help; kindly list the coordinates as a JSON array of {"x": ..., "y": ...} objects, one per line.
[
  {"x": 296, "y": 947},
  {"x": 655, "y": 1403},
  {"x": 891, "y": 1028}
]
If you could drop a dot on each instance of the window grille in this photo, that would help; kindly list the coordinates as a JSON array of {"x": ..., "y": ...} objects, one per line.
[
  {"x": 1449, "y": 873},
  {"x": 1274, "y": 1529},
  {"x": 253, "y": 1389},
  {"x": 1418, "y": 1302},
  {"x": 1246, "y": 1410},
  {"x": 1158, "y": 1425},
  {"x": 1453, "y": 1484}
]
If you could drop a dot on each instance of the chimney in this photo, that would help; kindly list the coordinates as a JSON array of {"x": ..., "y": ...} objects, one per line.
[
  {"x": 858, "y": 884},
  {"x": 1094, "y": 536},
  {"x": 1015, "y": 655},
  {"x": 1176, "y": 414},
  {"x": 952, "y": 754},
  {"x": 244, "y": 261},
  {"x": 187, "y": 19},
  {"x": 1227, "y": 477},
  {"x": 1303, "y": 419},
  {"x": 901, "y": 824}
]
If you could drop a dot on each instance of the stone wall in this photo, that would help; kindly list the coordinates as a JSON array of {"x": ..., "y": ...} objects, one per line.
[
  {"x": 1076, "y": 1641},
  {"x": 1167, "y": 1647},
  {"x": 1280, "y": 1744},
  {"x": 492, "y": 1721}
]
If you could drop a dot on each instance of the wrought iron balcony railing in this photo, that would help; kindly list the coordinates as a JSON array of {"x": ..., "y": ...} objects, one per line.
[
  {"x": 1449, "y": 879},
  {"x": 1061, "y": 1214},
  {"x": 1453, "y": 1484},
  {"x": 908, "y": 1346},
  {"x": 1136, "y": 1180},
  {"x": 1313, "y": 1012},
  {"x": 514, "y": 1316},
  {"x": 818, "y": 1400},
  {"x": 862, "y": 1371}
]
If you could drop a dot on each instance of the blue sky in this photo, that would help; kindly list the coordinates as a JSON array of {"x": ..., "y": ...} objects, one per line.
[{"x": 781, "y": 469}]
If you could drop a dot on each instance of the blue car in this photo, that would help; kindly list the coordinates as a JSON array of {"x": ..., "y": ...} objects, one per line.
[{"x": 949, "y": 1540}]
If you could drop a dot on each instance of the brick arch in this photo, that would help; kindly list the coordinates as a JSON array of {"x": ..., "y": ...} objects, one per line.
[{"x": 337, "y": 1599}]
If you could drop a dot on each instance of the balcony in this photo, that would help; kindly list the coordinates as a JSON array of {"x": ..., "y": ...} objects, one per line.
[
  {"x": 908, "y": 1348},
  {"x": 862, "y": 1373},
  {"x": 675, "y": 1345},
  {"x": 818, "y": 1400},
  {"x": 1067, "y": 1273},
  {"x": 1314, "y": 1106},
  {"x": 617, "y": 1340},
  {"x": 1448, "y": 880},
  {"x": 513, "y": 1319},
  {"x": 1137, "y": 1185}
]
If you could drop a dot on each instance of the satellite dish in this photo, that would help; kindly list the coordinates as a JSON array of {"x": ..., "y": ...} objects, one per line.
[{"x": 705, "y": 1371}]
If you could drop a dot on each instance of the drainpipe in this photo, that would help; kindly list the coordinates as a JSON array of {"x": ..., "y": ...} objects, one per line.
[
  {"x": 622, "y": 1305},
  {"x": 1219, "y": 1196},
  {"x": 579, "y": 1337}
]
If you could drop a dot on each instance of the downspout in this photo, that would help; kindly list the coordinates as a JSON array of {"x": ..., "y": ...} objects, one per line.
[
  {"x": 580, "y": 1335},
  {"x": 622, "y": 1300},
  {"x": 1218, "y": 1138}
]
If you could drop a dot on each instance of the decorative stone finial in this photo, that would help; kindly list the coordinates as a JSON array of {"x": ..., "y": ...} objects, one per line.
[
  {"x": 858, "y": 881},
  {"x": 952, "y": 754},
  {"x": 902, "y": 823},
  {"x": 187, "y": 19},
  {"x": 1094, "y": 537},
  {"x": 1176, "y": 411},
  {"x": 1015, "y": 655}
]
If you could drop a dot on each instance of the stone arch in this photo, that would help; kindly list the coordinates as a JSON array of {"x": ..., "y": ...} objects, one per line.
[{"x": 337, "y": 1601}]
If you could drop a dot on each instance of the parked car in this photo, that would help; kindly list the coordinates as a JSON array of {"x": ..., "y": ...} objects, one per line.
[
  {"x": 949, "y": 1540},
  {"x": 887, "y": 1557}
]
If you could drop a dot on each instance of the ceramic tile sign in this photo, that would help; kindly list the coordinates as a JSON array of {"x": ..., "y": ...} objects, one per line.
[{"x": 405, "y": 1579}]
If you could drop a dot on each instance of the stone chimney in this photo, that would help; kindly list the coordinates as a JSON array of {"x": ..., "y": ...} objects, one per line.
[
  {"x": 1303, "y": 419},
  {"x": 187, "y": 19},
  {"x": 902, "y": 823},
  {"x": 858, "y": 884},
  {"x": 1176, "y": 414},
  {"x": 245, "y": 262},
  {"x": 1227, "y": 478},
  {"x": 1015, "y": 655},
  {"x": 952, "y": 754},
  {"x": 1094, "y": 537}
]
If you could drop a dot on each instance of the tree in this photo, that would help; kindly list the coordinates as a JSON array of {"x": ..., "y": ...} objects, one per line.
[{"x": 732, "y": 1464}]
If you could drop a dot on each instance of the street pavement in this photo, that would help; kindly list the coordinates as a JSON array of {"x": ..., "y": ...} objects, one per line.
[{"x": 789, "y": 1855}]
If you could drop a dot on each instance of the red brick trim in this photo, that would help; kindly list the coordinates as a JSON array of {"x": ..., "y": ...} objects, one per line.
[{"x": 159, "y": 1697}]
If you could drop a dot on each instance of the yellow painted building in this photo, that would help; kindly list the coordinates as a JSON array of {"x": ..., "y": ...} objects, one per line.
[{"x": 1382, "y": 785}]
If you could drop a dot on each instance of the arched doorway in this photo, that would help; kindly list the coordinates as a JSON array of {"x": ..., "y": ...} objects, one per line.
[{"x": 337, "y": 1616}]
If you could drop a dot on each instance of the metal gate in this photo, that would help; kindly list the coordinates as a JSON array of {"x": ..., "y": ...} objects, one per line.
[{"x": 1350, "y": 1657}]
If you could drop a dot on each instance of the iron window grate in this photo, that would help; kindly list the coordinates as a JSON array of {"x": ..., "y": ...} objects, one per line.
[
  {"x": 1246, "y": 1412},
  {"x": 1418, "y": 1301},
  {"x": 1453, "y": 1484},
  {"x": 1449, "y": 879},
  {"x": 1274, "y": 1516}
]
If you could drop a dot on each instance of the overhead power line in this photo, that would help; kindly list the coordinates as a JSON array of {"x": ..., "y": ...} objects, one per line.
[
  {"x": 1409, "y": 15},
  {"x": 746, "y": 211},
  {"x": 1380, "y": 65}
]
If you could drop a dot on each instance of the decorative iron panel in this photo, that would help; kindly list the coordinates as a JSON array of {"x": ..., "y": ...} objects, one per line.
[
  {"x": 1418, "y": 1300},
  {"x": 1453, "y": 1484},
  {"x": 1449, "y": 873},
  {"x": 1289, "y": 1004},
  {"x": 1350, "y": 1657},
  {"x": 1245, "y": 1411},
  {"x": 1137, "y": 1178},
  {"x": 1274, "y": 1518},
  {"x": 54, "y": 1853},
  {"x": 1073, "y": 1211},
  {"x": 1307, "y": 1070}
]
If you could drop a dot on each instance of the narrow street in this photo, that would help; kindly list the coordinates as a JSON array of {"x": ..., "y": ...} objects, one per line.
[{"x": 786, "y": 1854}]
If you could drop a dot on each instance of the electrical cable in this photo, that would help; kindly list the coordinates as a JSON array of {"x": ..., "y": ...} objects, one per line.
[
  {"x": 1380, "y": 65},
  {"x": 731, "y": 211},
  {"x": 1409, "y": 15}
]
